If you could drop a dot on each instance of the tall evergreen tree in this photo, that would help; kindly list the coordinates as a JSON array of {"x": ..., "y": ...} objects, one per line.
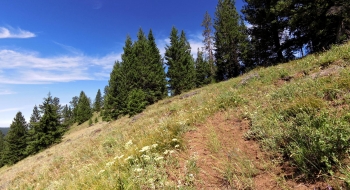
[
  {"x": 281, "y": 29},
  {"x": 118, "y": 88},
  {"x": 228, "y": 38},
  {"x": 156, "y": 76},
  {"x": 208, "y": 41},
  {"x": 115, "y": 98},
  {"x": 98, "y": 101},
  {"x": 316, "y": 25},
  {"x": 138, "y": 78},
  {"x": 247, "y": 54},
  {"x": 137, "y": 81},
  {"x": 74, "y": 106},
  {"x": 84, "y": 111},
  {"x": 181, "y": 72},
  {"x": 203, "y": 72},
  {"x": 67, "y": 115},
  {"x": 33, "y": 123},
  {"x": 105, "y": 92},
  {"x": 49, "y": 130},
  {"x": 35, "y": 117},
  {"x": 268, "y": 29},
  {"x": 125, "y": 76},
  {"x": 53, "y": 101},
  {"x": 15, "y": 141}
]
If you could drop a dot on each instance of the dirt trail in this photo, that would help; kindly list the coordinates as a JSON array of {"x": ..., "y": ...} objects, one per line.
[{"x": 225, "y": 160}]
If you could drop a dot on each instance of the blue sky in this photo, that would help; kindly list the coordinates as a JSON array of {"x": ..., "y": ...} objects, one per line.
[{"x": 67, "y": 46}]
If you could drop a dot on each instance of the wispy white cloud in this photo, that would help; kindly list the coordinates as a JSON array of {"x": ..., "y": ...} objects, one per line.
[
  {"x": 10, "y": 109},
  {"x": 19, "y": 67},
  {"x": 70, "y": 49},
  {"x": 31, "y": 68},
  {"x": 6, "y": 92},
  {"x": 10, "y": 32}
]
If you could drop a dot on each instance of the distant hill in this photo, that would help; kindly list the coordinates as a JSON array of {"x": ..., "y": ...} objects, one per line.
[{"x": 4, "y": 130}]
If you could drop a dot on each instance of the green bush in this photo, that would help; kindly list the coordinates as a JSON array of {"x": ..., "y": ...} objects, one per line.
[
  {"x": 228, "y": 100},
  {"x": 317, "y": 141}
]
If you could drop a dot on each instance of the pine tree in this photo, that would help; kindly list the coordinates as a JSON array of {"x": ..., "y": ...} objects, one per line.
[
  {"x": 98, "y": 101},
  {"x": 203, "y": 72},
  {"x": 55, "y": 102},
  {"x": 268, "y": 27},
  {"x": 84, "y": 111},
  {"x": 49, "y": 130},
  {"x": 33, "y": 123},
  {"x": 74, "y": 108},
  {"x": 156, "y": 76},
  {"x": 247, "y": 53},
  {"x": 139, "y": 69},
  {"x": 126, "y": 77},
  {"x": 15, "y": 141},
  {"x": 35, "y": 117},
  {"x": 139, "y": 75},
  {"x": 316, "y": 25},
  {"x": 105, "y": 92},
  {"x": 208, "y": 41},
  {"x": 145, "y": 76},
  {"x": 181, "y": 72},
  {"x": 67, "y": 116},
  {"x": 116, "y": 94},
  {"x": 227, "y": 37}
]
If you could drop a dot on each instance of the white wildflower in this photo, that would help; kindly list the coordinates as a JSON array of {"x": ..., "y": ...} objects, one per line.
[
  {"x": 129, "y": 158},
  {"x": 128, "y": 144},
  {"x": 118, "y": 157},
  {"x": 145, "y": 157},
  {"x": 177, "y": 146},
  {"x": 159, "y": 158},
  {"x": 110, "y": 164},
  {"x": 138, "y": 169},
  {"x": 100, "y": 172},
  {"x": 154, "y": 145},
  {"x": 174, "y": 140},
  {"x": 181, "y": 122},
  {"x": 166, "y": 152},
  {"x": 144, "y": 149}
]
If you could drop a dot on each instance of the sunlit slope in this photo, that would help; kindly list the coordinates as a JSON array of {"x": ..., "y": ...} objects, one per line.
[{"x": 299, "y": 113}]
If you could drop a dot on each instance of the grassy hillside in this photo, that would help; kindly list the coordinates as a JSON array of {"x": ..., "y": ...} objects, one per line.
[{"x": 298, "y": 113}]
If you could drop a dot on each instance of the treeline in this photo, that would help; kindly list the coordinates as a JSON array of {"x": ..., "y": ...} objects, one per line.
[
  {"x": 47, "y": 125},
  {"x": 280, "y": 29},
  {"x": 139, "y": 79}
]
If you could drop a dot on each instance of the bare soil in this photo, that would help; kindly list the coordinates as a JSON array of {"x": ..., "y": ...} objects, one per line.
[{"x": 212, "y": 164}]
